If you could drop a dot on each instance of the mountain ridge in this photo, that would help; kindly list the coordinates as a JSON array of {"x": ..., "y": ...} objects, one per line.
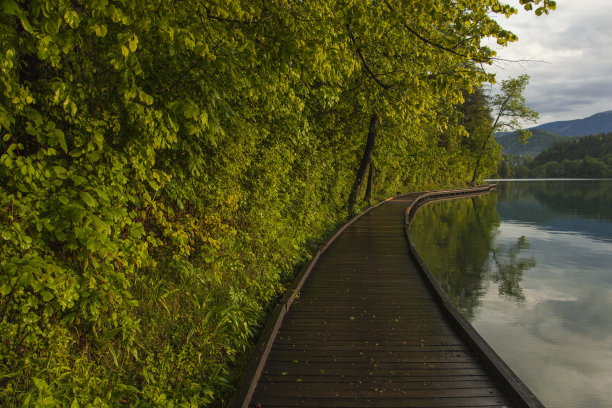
[{"x": 598, "y": 123}]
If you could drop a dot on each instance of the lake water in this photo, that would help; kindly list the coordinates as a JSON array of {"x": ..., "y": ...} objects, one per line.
[{"x": 530, "y": 266}]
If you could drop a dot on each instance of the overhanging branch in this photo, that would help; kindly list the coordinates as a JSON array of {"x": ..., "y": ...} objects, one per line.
[
  {"x": 432, "y": 43},
  {"x": 364, "y": 62}
]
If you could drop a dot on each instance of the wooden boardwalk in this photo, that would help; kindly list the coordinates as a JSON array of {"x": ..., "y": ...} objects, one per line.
[{"x": 367, "y": 329}]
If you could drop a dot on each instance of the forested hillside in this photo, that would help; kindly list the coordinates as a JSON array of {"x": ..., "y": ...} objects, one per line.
[
  {"x": 166, "y": 165},
  {"x": 597, "y": 146},
  {"x": 540, "y": 140},
  {"x": 588, "y": 156}
]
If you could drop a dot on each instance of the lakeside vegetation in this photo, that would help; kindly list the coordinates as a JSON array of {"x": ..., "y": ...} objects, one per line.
[
  {"x": 166, "y": 166},
  {"x": 583, "y": 157}
]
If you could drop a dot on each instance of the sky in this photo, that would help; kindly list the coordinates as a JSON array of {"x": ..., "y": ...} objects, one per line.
[{"x": 567, "y": 54}]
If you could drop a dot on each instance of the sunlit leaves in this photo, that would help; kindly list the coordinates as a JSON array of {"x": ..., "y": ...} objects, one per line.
[
  {"x": 165, "y": 165},
  {"x": 542, "y": 6}
]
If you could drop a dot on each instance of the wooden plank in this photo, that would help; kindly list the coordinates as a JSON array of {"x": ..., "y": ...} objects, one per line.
[
  {"x": 354, "y": 401},
  {"x": 367, "y": 314},
  {"x": 419, "y": 371},
  {"x": 349, "y": 349},
  {"x": 366, "y": 367},
  {"x": 429, "y": 381},
  {"x": 350, "y": 342},
  {"x": 386, "y": 390},
  {"x": 298, "y": 352},
  {"x": 370, "y": 359}
]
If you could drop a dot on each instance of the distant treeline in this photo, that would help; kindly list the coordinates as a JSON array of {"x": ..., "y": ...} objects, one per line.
[{"x": 589, "y": 156}]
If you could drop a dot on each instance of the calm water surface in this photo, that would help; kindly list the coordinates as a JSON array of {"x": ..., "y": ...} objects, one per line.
[{"x": 530, "y": 266}]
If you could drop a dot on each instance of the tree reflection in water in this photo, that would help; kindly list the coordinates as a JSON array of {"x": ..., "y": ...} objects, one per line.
[
  {"x": 509, "y": 269},
  {"x": 457, "y": 240}
]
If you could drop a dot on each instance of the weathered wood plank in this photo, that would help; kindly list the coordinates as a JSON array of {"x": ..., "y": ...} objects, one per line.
[
  {"x": 402, "y": 402},
  {"x": 364, "y": 367},
  {"x": 315, "y": 343},
  {"x": 301, "y": 389},
  {"x": 416, "y": 382}
]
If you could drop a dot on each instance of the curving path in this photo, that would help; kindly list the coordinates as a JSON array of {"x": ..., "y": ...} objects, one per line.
[{"x": 365, "y": 327}]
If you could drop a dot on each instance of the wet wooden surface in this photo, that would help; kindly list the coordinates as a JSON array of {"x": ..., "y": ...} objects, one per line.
[{"x": 366, "y": 331}]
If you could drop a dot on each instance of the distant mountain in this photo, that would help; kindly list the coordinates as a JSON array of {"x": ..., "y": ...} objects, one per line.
[
  {"x": 598, "y": 123},
  {"x": 539, "y": 141},
  {"x": 546, "y": 135}
]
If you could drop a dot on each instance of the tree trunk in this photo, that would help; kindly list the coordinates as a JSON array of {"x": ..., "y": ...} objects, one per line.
[
  {"x": 475, "y": 171},
  {"x": 370, "y": 182},
  {"x": 484, "y": 145},
  {"x": 365, "y": 163}
]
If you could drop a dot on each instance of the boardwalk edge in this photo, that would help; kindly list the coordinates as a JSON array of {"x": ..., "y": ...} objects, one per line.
[{"x": 511, "y": 383}]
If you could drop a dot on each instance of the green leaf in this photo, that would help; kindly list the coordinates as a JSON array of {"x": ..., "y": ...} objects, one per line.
[
  {"x": 133, "y": 43},
  {"x": 72, "y": 18},
  {"x": 10, "y": 7},
  {"x": 88, "y": 199},
  {"x": 78, "y": 180},
  {"x": 100, "y": 30},
  {"x": 62, "y": 142},
  {"x": 46, "y": 295},
  {"x": 60, "y": 172},
  {"x": 40, "y": 384}
]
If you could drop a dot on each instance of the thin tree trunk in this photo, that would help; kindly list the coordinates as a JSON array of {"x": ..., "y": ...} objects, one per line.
[
  {"x": 484, "y": 145},
  {"x": 502, "y": 110},
  {"x": 370, "y": 182},
  {"x": 365, "y": 163}
]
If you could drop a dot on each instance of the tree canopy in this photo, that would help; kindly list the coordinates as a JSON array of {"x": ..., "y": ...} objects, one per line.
[
  {"x": 510, "y": 110},
  {"x": 166, "y": 164}
]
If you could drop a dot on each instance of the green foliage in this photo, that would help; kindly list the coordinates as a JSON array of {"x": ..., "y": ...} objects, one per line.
[
  {"x": 165, "y": 166},
  {"x": 509, "y": 110},
  {"x": 588, "y": 156},
  {"x": 596, "y": 146}
]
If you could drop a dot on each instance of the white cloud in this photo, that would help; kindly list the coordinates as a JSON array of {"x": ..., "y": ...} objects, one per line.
[{"x": 568, "y": 56}]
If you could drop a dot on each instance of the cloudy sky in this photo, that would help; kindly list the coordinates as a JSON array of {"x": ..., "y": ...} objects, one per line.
[{"x": 569, "y": 54}]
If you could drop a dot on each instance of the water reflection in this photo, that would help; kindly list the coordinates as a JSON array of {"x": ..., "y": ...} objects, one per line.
[
  {"x": 467, "y": 231},
  {"x": 580, "y": 206},
  {"x": 509, "y": 269},
  {"x": 530, "y": 267}
]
